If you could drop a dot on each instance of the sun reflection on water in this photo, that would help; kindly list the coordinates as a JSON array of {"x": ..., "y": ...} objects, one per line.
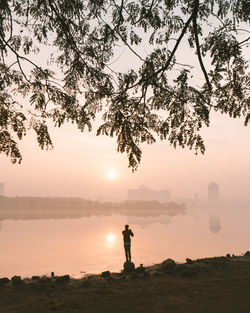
[{"x": 110, "y": 238}]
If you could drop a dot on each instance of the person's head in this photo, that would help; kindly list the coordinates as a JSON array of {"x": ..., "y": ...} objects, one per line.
[{"x": 126, "y": 226}]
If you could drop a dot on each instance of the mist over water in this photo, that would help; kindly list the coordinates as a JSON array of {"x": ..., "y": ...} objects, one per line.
[
  {"x": 89, "y": 167},
  {"x": 77, "y": 246}
]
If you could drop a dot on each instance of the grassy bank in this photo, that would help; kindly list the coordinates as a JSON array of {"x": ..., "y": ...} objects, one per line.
[{"x": 211, "y": 285}]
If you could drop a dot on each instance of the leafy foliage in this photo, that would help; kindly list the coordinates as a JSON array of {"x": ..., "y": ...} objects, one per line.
[{"x": 79, "y": 40}]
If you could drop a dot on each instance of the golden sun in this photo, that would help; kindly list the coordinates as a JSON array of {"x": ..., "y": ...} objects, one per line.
[{"x": 111, "y": 174}]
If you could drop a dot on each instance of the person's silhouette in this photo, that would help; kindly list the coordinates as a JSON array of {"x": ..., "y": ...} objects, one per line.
[{"x": 127, "y": 233}]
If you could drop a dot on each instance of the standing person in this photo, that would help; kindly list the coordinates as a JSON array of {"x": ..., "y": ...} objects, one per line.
[{"x": 127, "y": 233}]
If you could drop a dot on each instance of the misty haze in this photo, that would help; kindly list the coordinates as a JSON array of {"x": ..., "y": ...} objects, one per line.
[
  {"x": 125, "y": 156},
  {"x": 77, "y": 236}
]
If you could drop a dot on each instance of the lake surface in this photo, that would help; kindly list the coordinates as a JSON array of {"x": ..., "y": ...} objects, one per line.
[{"x": 77, "y": 246}]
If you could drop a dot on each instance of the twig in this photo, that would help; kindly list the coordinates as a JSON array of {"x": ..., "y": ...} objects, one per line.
[{"x": 240, "y": 43}]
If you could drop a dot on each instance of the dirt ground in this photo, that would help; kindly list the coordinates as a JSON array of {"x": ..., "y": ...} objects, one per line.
[{"x": 212, "y": 285}]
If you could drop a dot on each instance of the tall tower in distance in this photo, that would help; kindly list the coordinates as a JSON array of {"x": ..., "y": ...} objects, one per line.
[
  {"x": 1, "y": 189},
  {"x": 213, "y": 192}
]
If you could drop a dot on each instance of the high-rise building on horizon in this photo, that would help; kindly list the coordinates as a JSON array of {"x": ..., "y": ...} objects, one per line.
[
  {"x": 1, "y": 189},
  {"x": 213, "y": 192}
]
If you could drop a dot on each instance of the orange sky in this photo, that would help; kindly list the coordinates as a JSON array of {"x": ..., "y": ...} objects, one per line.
[{"x": 80, "y": 165}]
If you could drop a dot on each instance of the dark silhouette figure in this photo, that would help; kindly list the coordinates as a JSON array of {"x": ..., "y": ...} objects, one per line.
[{"x": 127, "y": 233}]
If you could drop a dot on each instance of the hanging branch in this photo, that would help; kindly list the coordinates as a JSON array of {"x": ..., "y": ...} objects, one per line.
[{"x": 197, "y": 44}]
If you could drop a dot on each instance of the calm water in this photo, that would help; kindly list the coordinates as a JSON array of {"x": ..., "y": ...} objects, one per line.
[{"x": 81, "y": 245}]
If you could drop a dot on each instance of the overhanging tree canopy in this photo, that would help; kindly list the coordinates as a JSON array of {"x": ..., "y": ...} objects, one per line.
[{"x": 156, "y": 98}]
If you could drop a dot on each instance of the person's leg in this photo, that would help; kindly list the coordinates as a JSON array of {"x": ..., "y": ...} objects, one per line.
[
  {"x": 126, "y": 252},
  {"x": 129, "y": 253}
]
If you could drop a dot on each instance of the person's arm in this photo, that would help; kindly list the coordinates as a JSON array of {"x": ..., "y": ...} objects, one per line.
[{"x": 131, "y": 233}]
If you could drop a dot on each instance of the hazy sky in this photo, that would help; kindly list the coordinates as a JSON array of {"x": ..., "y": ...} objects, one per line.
[{"x": 83, "y": 165}]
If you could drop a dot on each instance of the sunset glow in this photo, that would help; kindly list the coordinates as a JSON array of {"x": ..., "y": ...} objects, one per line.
[
  {"x": 124, "y": 156},
  {"x": 111, "y": 174}
]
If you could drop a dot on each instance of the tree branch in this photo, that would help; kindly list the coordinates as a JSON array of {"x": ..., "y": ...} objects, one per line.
[
  {"x": 198, "y": 49},
  {"x": 165, "y": 67}
]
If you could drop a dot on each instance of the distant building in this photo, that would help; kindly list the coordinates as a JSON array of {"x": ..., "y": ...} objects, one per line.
[
  {"x": 213, "y": 192},
  {"x": 1, "y": 189},
  {"x": 143, "y": 193}
]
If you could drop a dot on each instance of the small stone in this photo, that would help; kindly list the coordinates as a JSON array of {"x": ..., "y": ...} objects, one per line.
[
  {"x": 247, "y": 254},
  {"x": 45, "y": 279},
  {"x": 4, "y": 281},
  {"x": 189, "y": 261},
  {"x": 62, "y": 279},
  {"x": 106, "y": 274},
  {"x": 128, "y": 266},
  {"x": 16, "y": 280},
  {"x": 140, "y": 269},
  {"x": 168, "y": 264},
  {"x": 228, "y": 255}
]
